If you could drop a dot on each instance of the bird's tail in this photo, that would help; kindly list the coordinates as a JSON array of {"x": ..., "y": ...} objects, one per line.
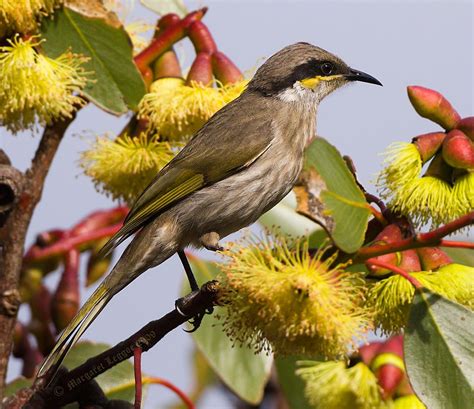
[{"x": 75, "y": 329}]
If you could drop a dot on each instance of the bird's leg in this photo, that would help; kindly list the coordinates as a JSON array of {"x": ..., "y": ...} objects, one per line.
[
  {"x": 196, "y": 321},
  {"x": 189, "y": 272},
  {"x": 211, "y": 241}
]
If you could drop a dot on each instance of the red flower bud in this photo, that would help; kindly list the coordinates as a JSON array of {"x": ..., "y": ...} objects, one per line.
[
  {"x": 410, "y": 261},
  {"x": 432, "y": 105},
  {"x": 433, "y": 258},
  {"x": 428, "y": 144},
  {"x": 31, "y": 361},
  {"x": 458, "y": 150},
  {"x": 224, "y": 69},
  {"x": 466, "y": 125},
  {"x": 20, "y": 340},
  {"x": 201, "y": 70},
  {"x": 389, "y": 234},
  {"x": 167, "y": 66},
  {"x": 166, "y": 38},
  {"x": 388, "y": 366},
  {"x": 201, "y": 38},
  {"x": 168, "y": 20},
  {"x": 40, "y": 324},
  {"x": 438, "y": 168},
  {"x": 99, "y": 219},
  {"x": 65, "y": 303},
  {"x": 369, "y": 351}
]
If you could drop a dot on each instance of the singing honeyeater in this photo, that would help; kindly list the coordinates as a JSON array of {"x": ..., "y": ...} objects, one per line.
[{"x": 240, "y": 164}]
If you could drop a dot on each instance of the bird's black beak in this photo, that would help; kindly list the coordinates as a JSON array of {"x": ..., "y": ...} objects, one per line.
[{"x": 355, "y": 75}]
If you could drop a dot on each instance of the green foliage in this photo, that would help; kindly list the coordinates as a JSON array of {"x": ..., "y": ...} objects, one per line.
[
  {"x": 342, "y": 199},
  {"x": 438, "y": 351},
  {"x": 116, "y": 82},
  {"x": 17, "y": 384},
  {"x": 292, "y": 385},
  {"x": 243, "y": 371},
  {"x": 460, "y": 256}
]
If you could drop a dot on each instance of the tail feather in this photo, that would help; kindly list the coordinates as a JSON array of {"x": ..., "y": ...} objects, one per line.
[{"x": 89, "y": 311}]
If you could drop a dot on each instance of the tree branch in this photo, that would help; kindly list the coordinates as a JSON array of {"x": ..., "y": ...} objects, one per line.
[
  {"x": 69, "y": 386},
  {"x": 13, "y": 233}
]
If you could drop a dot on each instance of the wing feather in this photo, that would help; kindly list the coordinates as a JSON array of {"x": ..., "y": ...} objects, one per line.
[{"x": 222, "y": 147}]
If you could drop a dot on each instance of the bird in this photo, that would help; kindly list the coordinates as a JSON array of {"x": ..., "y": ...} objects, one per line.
[{"x": 242, "y": 162}]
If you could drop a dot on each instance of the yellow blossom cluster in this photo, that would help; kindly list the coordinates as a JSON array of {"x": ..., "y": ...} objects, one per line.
[
  {"x": 280, "y": 297},
  {"x": 35, "y": 88},
  {"x": 22, "y": 16},
  {"x": 427, "y": 198}
]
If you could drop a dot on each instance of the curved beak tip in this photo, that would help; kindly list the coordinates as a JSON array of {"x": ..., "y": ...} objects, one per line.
[{"x": 356, "y": 75}]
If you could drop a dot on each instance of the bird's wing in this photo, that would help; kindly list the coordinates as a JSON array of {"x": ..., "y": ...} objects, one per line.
[{"x": 230, "y": 141}]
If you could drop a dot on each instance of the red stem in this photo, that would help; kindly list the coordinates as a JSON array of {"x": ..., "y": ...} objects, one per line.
[
  {"x": 397, "y": 270},
  {"x": 166, "y": 38},
  {"x": 62, "y": 246},
  {"x": 432, "y": 238},
  {"x": 137, "y": 366},
  {"x": 457, "y": 244},
  {"x": 175, "y": 389},
  {"x": 201, "y": 38}
]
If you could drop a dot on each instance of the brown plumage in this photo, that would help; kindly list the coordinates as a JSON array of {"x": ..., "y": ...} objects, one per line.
[{"x": 240, "y": 164}]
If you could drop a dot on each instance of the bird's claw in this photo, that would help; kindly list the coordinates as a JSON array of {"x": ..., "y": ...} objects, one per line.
[{"x": 196, "y": 320}]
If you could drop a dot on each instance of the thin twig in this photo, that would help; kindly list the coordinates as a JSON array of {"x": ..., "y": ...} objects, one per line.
[
  {"x": 153, "y": 380},
  {"x": 432, "y": 238},
  {"x": 396, "y": 270},
  {"x": 137, "y": 369}
]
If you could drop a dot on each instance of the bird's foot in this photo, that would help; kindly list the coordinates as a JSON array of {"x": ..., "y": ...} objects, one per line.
[
  {"x": 196, "y": 320},
  {"x": 211, "y": 241}
]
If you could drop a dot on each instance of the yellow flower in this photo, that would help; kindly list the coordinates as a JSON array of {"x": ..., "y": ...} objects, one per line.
[
  {"x": 427, "y": 198},
  {"x": 177, "y": 111},
  {"x": 35, "y": 87},
  {"x": 463, "y": 192},
  {"x": 332, "y": 385},
  {"x": 281, "y": 297},
  {"x": 22, "y": 15},
  {"x": 232, "y": 91},
  {"x": 402, "y": 164},
  {"x": 390, "y": 299},
  {"x": 123, "y": 168},
  {"x": 408, "y": 402}
]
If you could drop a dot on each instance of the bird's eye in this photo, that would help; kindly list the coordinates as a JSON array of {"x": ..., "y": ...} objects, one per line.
[{"x": 327, "y": 68}]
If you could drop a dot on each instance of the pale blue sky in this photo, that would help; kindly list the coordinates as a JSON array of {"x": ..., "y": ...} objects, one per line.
[{"x": 399, "y": 42}]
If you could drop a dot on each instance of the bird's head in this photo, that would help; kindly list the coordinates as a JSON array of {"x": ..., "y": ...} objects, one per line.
[{"x": 304, "y": 73}]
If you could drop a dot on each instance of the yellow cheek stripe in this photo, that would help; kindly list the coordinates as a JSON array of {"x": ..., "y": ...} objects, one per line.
[{"x": 313, "y": 82}]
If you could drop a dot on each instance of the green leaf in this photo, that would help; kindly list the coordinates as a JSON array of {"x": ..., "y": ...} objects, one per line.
[
  {"x": 163, "y": 7},
  {"x": 329, "y": 194},
  {"x": 243, "y": 371},
  {"x": 17, "y": 384},
  {"x": 115, "y": 80},
  {"x": 117, "y": 383},
  {"x": 460, "y": 256},
  {"x": 291, "y": 384},
  {"x": 438, "y": 351}
]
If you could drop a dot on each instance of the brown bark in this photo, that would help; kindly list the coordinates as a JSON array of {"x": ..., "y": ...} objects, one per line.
[{"x": 13, "y": 233}]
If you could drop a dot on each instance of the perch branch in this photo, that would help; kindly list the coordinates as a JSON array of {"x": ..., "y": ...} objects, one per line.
[{"x": 68, "y": 386}]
